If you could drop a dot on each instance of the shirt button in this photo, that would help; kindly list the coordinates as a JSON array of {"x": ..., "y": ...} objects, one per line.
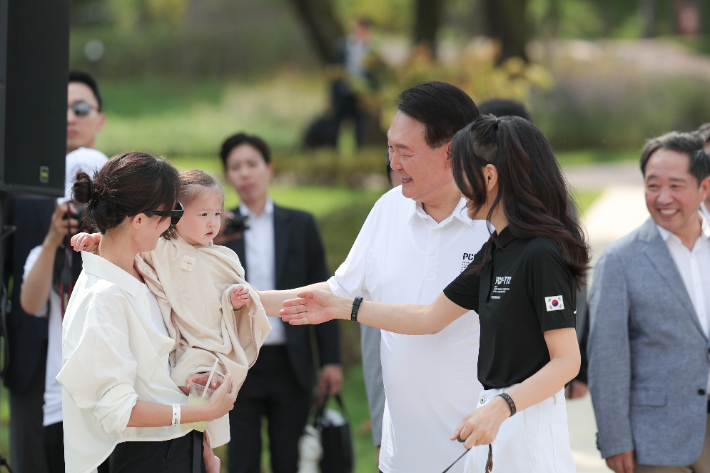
[
  {"x": 482, "y": 400},
  {"x": 701, "y": 392}
]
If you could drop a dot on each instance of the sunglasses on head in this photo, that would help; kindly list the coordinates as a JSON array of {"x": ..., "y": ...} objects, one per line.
[
  {"x": 81, "y": 109},
  {"x": 174, "y": 215}
]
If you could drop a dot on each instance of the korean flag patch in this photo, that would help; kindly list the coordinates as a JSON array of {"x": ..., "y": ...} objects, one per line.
[{"x": 554, "y": 303}]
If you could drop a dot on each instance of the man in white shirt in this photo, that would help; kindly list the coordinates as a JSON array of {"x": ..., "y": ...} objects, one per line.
[
  {"x": 649, "y": 354},
  {"x": 415, "y": 241},
  {"x": 36, "y": 414}
]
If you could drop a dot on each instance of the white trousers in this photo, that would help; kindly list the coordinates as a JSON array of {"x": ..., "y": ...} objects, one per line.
[{"x": 533, "y": 440}]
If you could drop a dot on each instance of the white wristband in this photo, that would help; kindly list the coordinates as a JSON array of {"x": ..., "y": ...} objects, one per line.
[{"x": 176, "y": 414}]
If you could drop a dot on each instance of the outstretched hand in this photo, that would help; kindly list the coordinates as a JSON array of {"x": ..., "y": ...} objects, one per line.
[{"x": 312, "y": 307}]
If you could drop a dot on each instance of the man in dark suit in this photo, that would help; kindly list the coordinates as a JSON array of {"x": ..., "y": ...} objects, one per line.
[{"x": 281, "y": 250}]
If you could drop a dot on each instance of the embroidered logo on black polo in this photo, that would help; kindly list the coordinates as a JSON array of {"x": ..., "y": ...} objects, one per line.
[
  {"x": 554, "y": 303},
  {"x": 501, "y": 286}
]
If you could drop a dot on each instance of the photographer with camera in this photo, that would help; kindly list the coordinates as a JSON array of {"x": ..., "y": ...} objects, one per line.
[
  {"x": 50, "y": 272},
  {"x": 280, "y": 248},
  {"x": 44, "y": 272}
]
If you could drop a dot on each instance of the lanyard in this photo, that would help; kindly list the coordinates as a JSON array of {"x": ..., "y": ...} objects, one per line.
[
  {"x": 66, "y": 279},
  {"x": 489, "y": 463}
]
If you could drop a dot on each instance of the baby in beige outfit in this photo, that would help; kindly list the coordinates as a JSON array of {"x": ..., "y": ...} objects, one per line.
[{"x": 210, "y": 311}]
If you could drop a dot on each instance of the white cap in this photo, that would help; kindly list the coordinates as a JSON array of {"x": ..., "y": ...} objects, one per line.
[{"x": 82, "y": 159}]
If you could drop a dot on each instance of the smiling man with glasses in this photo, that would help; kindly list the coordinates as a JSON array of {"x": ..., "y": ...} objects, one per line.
[{"x": 36, "y": 442}]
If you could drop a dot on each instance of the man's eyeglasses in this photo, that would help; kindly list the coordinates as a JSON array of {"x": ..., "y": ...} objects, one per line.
[
  {"x": 81, "y": 109},
  {"x": 174, "y": 215}
]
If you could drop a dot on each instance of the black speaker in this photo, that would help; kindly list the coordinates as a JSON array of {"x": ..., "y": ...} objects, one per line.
[{"x": 34, "y": 69}]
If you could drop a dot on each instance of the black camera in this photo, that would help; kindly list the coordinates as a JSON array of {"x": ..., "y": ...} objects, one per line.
[
  {"x": 237, "y": 224},
  {"x": 77, "y": 214}
]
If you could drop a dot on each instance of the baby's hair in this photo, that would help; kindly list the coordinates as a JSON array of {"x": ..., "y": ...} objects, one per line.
[{"x": 192, "y": 183}]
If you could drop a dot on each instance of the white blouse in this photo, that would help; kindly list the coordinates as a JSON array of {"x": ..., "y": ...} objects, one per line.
[{"x": 112, "y": 355}]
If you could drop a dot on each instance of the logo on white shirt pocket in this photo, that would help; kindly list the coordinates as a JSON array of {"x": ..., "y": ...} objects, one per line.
[{"x": 467, "y": 259}]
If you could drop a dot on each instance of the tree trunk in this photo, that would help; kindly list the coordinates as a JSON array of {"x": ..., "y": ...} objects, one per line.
[
  {"x": 508, "y": 24},
  {"x": 427, "y": 22},
  {"x": 322, "y": 25},
  {"x": 647, "y": 14}
]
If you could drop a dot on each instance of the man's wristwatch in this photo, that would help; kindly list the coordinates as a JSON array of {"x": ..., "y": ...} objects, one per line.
[{"x": 356, "y": 307}]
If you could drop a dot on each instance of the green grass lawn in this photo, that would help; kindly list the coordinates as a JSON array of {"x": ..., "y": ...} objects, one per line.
[{"x": 181, "y": 118}]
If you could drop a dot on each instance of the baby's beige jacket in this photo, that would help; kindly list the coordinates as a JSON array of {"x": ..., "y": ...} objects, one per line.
[{"x": 193, "y": 285}]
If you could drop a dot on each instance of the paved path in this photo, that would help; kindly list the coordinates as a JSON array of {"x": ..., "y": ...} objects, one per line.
[{"x": 620, "y": 209}]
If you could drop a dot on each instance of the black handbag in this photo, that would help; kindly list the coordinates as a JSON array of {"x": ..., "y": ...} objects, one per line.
[{"x": 336, "y": 438}]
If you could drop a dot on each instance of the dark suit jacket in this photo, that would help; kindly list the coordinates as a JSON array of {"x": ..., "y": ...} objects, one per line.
[
  {"x": 300, "y": 261},
  {"x": 27, "y": 335}
]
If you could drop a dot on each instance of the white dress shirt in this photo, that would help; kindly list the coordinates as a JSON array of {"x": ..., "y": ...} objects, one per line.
[
  {"x": 112, "y": 355},
  {"x": 694, "y": 268},
  {"x": 259, "y": 251},
  {"x": 705, "y": 211},
  {"x": 402, "y": 255}
]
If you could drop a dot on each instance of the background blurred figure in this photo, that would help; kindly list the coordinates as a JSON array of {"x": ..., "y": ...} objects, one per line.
[
  {"x": 27, "y": 336},
  {"x": 282, "y": 249},
  {"x": 578, "y": 387},
  {"x": 352, "y": 55},
  {"x": 650, "y": 321}
]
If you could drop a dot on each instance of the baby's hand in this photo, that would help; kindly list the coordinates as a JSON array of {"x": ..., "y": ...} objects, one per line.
[
  {"x": 239, "y": 296},
  {"x": 85, "y": 241}
]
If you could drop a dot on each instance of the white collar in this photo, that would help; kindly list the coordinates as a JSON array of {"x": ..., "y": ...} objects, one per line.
[
  {"x": 104, "y": 269},
  {"x": 268, "y": 209},
  {"x": 704, "y": 230},
  {"x": 460, "y": 212}
]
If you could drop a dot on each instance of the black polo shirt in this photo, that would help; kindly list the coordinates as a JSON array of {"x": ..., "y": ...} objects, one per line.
[{"x": 525, "y": 290}]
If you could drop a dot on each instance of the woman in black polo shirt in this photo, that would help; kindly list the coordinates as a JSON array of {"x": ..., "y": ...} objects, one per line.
[{"x": 522, "y": 283}]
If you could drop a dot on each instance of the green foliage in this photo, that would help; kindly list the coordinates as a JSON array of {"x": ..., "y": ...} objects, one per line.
[
  {"x": 128, "y": 13},
  {"x": 473, "y": 69},
  {"x": 192, "y": 118},
  {"x": 589, "y": 18},
  {"x": 390, "y": 15},
  {"x": 216, "y": 40},
  {"x": 616, "y": 109},
  {"x": 600, "y": 112}
]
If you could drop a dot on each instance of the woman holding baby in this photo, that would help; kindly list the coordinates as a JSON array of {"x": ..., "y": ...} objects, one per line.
[{"x": 121, "y": 408}]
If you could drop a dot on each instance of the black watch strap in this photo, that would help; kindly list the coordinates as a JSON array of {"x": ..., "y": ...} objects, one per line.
[
  {"x": 510, "y": 402},
  {"x": 356, "y": 307}
]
